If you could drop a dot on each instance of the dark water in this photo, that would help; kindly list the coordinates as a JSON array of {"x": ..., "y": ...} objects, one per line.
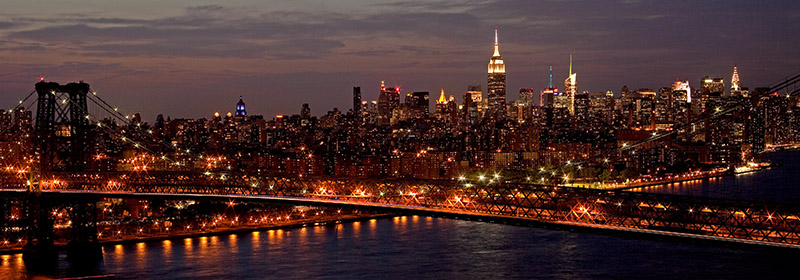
[
  {"x": 777, "y": 184},
  {"x": 414, "y": 247}
]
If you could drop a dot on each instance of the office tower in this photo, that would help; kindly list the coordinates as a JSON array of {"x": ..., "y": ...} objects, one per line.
[
  {"x": 240, "y": 111},
  {"x": 736, "y": 89},
  {"x": 681, "y": 91},
  {"x": 471, "y": 106},
  {"x": 476, "y": 94},
  {"x": 441, "y": 107},
  {"x": 581, "y": 107},
  {"x": 526, "y": 97},
  {"x": 357, "y": 100},
  {"x": 526, "y": 103},
  {"x": 418, "y": 104},
  {"x": 601, "y": 107},
  {"x": 546, "y": 97},
  {"x": 711, "y": 91},
  {"x": 571, "y": 88},
  {"x": 496, "y": 89},
  {"x": 388, "y": 101}
]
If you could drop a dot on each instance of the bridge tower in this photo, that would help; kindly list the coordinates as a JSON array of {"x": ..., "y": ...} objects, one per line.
[
  {"x": 61, "y": 126},
  {"x": 61, "y": 130}
]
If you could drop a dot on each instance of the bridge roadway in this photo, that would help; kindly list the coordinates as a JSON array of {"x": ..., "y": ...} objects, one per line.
[{"x": 746, "y": 222}]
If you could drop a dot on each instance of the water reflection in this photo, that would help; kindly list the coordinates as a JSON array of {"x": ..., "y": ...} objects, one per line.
[
  {"x": 187, "y": 244},
  {"x": 423, "y": 247},
  {"x": 775, "y": 184},
  {"x": 256, "y": 236}
]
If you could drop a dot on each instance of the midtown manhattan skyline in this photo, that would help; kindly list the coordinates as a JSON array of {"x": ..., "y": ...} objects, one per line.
[{"x": 197, "y": 58}]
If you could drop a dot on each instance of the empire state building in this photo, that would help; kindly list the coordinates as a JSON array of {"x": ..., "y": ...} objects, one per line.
[{"x": 497, "y": 84}]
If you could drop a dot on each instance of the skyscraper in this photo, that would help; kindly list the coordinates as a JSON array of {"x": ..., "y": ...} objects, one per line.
[
  {"x": 681, "y": 91},
  {"x": 418, "y": 104},
  {"x": 736, "y": 89},
  {"x": 388, "y": 101},
  {"x": 711, "y": 91},
  {"x": 735, "y": 79},
  {"x": 476, "y": 94},
  {"x": 546, "y": 95},
  {"x": 571, "y": 88},
  {"x": 496, "y": 89},
  {"x": 441, "y": 106},
  {"x": 240, "y": 111},
  {"x": 470, "y": 110},
  {"x": 357, "y": 100}
]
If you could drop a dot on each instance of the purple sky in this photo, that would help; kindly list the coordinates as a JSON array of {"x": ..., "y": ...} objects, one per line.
[{"x": 192, "y": 58}]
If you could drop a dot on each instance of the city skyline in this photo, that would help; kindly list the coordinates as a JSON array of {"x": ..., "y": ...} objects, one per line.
[{"x": 282, "y": 56}]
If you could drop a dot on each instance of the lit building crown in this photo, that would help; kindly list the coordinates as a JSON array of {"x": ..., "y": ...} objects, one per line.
[
  {"x": 735, "y": 79},
  {"x": 496, "y": 62},
  {"x": 240, "y": 111}
]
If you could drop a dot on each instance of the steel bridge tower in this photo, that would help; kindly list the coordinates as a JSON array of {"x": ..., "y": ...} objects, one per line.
[{"x": 61, "y": 126}]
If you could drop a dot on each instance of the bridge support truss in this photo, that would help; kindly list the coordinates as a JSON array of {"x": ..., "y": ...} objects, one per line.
[{"x": 740, "y": 220}]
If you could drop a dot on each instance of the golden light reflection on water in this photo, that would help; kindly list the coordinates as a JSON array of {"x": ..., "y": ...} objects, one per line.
[
  {"x": 356, "y": 228},
  {"x": 400, "y": 222},
  {"x": 19, "y": 259},
  {"x": 140, "y": 249},
  {"x": 203, "y": 242},
  {"x": 278, "y": 235},
  {"x": 141, "y": 252},
  {"x": 256, "y": 239},
  {"x": 214, "y": 240},
  {"x": 188, "y": 244},
  {"x": 5, "y": 259},
  {"x": 373, "y": 227},
  {"x": 232, "y": 244},
  {"x": 118, "y": 251},
  {"x": 167, "y": 247}
]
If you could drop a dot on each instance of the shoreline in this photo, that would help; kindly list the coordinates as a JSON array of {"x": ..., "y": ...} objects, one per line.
[{"x": 221, "y": 232}]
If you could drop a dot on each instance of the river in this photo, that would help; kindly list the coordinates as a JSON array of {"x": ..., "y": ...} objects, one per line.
[
  {"x": 415, "y": 247},
  {"x": 780, "y": 183}
]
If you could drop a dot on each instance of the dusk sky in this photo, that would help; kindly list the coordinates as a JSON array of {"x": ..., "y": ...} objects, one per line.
[{"x": 191, "y": 58}]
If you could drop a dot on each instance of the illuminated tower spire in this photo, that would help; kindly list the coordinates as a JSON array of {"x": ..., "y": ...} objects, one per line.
[
  {"x": 496, "y": 45},
  {"x": 735, "y": 80},
  {"x": 550, "y": 85},
  {"x": 442, "y": 99},
  {"x": 571, "y": 87},
  {"x": 496, "y": 83},
  {"x": 570, "y": 64}
]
